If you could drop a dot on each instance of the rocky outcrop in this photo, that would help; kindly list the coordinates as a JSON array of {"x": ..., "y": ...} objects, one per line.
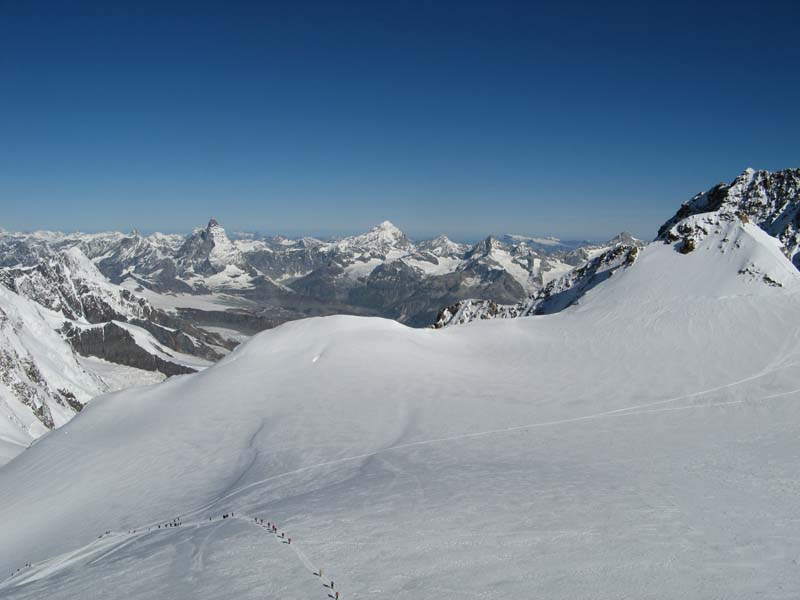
[
  {"x": 68, "y": 283},
  {"x": 115, "y": 344},
  {"x": 209, "y": 251},
  {"x": 769, "y": 200}
]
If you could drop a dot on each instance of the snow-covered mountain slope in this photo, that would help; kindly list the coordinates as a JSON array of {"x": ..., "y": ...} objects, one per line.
[
  {"x": 76, "y": 295},
  {"x": 770, "y": 200},
  {"x": 641, "y": 444},
  {"x": 42, "y": 383},
  {"x": 558, "y": 294},
  {"x": 61, "y": 307},
  {"x": 381, "y": 241},
  {"x": 67, "y": 282}
]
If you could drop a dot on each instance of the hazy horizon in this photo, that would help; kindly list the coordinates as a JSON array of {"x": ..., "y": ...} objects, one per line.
[{"x": 238, "y": 233}]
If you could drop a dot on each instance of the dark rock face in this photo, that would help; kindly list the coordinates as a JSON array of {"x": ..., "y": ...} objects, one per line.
[
  {"x": 175, "y": 339},
  {"x": 687, "y": 245},
  {"x": 114, "y": 344},
  {"x": 58, "y": 283},
  {"x": 769, "y": 200},
  {"x": 325, "y": 282},
  {"x": 386, "y": 287},
  {"x": 275, "y": 263}
]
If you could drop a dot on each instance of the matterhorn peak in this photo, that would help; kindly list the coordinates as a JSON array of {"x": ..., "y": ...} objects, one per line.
[
  {"x": 489, "y": 242},
  {"x": 212, "y": 224}
]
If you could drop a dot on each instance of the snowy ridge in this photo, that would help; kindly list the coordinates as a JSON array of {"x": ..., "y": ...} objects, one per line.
[
  {"x": 555, "y": 296},
  {"x": 442, "y": 461},
  {"x": 42, "y": 383},
  {"x": 770, "y": 200}
]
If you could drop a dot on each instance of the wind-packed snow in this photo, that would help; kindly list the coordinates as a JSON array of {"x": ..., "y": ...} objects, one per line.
[{"x": 640, "y": 444}]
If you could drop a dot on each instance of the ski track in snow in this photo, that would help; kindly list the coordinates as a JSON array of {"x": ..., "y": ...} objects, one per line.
[
  {"x": 639, "y": 409},
  {"x": 197, "y": 558},
  {"x": 619, "y": 412},
  {"x": 55, "y": 564}
]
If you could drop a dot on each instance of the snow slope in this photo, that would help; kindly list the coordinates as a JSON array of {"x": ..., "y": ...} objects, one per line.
[
  {"x": 62, "y": 305},
  {"x": 640, "y": 444},
  {"x": 41, "y": 379}
]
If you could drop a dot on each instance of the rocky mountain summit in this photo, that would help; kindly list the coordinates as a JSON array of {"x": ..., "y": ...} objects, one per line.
[{"x": 769, "y": 201}]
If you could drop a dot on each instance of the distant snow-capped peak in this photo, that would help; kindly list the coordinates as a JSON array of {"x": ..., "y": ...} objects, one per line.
[
  {"x": 442, "y": 246},
  {"x": 378, "y": 241}
]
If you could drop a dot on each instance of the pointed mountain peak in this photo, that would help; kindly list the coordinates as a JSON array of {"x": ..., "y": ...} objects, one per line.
[
  {"x": 212, "y": 224},
  {"x": 387, "y": 227}
]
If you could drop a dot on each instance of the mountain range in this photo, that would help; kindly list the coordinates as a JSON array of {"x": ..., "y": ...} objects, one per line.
[
  {"x": 381, "y": 272},
  {"x": 130, "y": 309},
  {"x": 123, "y": 309},
  {"x": 635, "y": 435}
]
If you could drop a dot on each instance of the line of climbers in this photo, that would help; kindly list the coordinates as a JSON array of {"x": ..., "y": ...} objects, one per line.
[{"x": 273, "y": 528}]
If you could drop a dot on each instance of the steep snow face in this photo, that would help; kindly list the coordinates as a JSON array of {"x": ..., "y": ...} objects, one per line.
[
  {"x": 42, "y": 383},
  {"x": 64, "y": 303},
  {"x": 770, "y": 200},
  {"x": 69, "y": 283},
  {"x": 642, "y": 443}
]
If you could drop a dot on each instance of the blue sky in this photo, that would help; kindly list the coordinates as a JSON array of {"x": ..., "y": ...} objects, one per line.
[{"x": 325, "y": 118}]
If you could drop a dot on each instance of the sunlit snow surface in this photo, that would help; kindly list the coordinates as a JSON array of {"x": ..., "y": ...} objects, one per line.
[{"x": 643, "y": 444}]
